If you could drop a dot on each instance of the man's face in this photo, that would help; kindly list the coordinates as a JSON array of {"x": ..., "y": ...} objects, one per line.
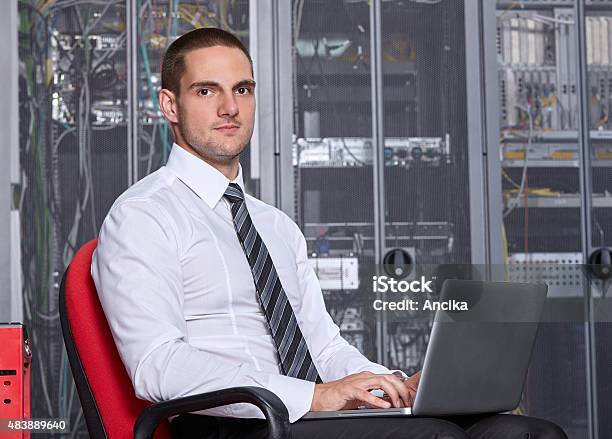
[{"x": 217, "y": 91}]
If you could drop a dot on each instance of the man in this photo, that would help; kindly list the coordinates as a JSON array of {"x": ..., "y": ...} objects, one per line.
[{"x": 205, "y": 287}]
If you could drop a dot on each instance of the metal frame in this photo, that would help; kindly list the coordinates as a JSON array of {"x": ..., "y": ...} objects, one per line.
[
  {"x": 483, "y": 130},
  {"x": 586, "y": 191},
  {"x": 262, "y": 146},
  {"x": 11, "y": 299},
  {"x": 132, "y": 91},
  {"x": 378, "y": 163},
  {"x": 274, "y": 113},
  {"x": 284, "y": 94},
  {"x": 254, "y": 38}
]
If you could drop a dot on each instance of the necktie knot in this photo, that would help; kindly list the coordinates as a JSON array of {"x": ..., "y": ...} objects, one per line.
[{"x": 233, "y": 193}]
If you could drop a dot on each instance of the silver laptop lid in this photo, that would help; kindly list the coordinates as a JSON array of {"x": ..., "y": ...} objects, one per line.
[{"x": 477, "y": 360}]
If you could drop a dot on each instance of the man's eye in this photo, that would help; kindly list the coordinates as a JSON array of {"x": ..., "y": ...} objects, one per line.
[
  {"x": 244, "y": 90},
  {"x": 204, "y": 92}
]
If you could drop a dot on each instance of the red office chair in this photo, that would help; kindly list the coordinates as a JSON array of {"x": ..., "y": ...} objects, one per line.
[{"x": 110, "y": 406}]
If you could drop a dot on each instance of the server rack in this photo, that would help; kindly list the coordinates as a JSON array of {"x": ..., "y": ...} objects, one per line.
[{"x": 553, "y": 62}]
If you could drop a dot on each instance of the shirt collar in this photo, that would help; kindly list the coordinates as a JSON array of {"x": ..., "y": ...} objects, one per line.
[{"x": 202, "y": 178}]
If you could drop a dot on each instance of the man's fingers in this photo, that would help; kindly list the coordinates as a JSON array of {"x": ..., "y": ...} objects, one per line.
[
  {"x": 401, "y": 388},
  {"x": 396, "y": 390},
  {"x": 392, "y": 390},
  {"x": 372, "y": 400}
]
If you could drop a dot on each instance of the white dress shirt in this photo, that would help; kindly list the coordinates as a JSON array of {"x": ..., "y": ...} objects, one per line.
[{"x": 179, "y": 296}]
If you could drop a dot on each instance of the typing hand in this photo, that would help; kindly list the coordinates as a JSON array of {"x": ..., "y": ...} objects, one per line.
[
  {"x": 354, "y": 391},
  {"x": 412, "y": 383}
]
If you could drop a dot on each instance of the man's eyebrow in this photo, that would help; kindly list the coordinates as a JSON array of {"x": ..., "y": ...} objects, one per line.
[
  {"x": 204, "y": 84},
  {"x": 243, "y": 83}
]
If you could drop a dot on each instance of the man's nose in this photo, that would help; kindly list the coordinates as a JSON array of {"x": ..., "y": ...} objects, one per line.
[{"x": 228, "y": 105}]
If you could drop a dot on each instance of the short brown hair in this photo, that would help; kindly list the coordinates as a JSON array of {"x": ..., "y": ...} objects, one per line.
[{"x": 173, "y": 65}]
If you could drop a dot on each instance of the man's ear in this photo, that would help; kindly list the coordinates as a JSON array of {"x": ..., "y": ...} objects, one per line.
[{"x": 168, "y": 105}]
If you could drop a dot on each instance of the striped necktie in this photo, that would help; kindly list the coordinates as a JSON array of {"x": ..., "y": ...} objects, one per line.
[{"x": 295, "y": 359}]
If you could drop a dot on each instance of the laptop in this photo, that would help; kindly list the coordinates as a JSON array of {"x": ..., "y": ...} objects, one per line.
[{"x": 476, "y": 360}]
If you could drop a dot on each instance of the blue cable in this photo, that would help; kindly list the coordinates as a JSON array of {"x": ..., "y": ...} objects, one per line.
[{"x": 164, "y": 126}]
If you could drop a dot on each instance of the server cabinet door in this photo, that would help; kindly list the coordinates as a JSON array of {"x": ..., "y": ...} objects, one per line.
[
  {"x": 425, "y": 158},
  {"x": 539, "y": 88},
  {"x": 333, "y": 158}
]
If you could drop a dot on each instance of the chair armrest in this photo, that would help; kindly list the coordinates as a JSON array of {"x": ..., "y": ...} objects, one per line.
[{"x": 272, "y": 407}]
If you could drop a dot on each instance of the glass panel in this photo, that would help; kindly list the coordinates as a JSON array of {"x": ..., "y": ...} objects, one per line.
[
  {"x": 539, "y": 104},
  {"x": 73, "y": 166},
  {"x": 333, "y": 157},
  {"x": 426, "y": 150}
]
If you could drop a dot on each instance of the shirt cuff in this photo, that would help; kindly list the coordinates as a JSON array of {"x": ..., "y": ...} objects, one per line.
[
  {"x": 296, "y": 394},
  {"x": 375, "y": 368}
]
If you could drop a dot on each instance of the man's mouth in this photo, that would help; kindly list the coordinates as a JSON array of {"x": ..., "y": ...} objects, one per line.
[{"x": 228, "y": 129}]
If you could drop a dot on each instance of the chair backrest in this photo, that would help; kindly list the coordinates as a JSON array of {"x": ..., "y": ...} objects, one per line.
[{"x": 110, "y": 406}]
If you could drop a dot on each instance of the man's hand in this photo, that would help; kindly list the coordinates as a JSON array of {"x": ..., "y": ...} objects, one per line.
[
  {"x": 354, "y": 391},
  {"x": 412, "y": 383}
]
